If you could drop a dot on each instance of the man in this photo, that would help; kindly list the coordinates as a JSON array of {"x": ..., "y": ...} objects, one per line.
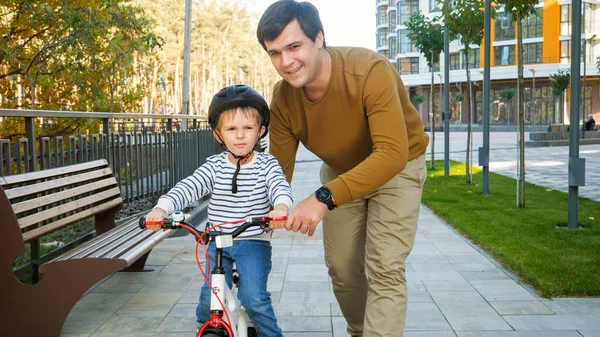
[
  {"x": 590, "y": 124},
  {"x": 350, "y": 108}
]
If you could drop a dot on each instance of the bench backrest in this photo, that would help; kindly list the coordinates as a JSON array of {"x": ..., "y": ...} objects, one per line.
[{"x": 45, "y": 201}]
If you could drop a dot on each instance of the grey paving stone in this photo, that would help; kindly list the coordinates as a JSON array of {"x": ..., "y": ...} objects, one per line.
[
  {"x": 521, "y": 308},
  {"x": 425, "y": 316},
  {"x": 134, "y": 324},
  {"x": 302, "y": 309},
  {"x": 590, "y": 333},
  {"x": 572, "y": 306},
  {"x": 518, "y": 334},
  {"x": 462, "y": 303},
  {"x": 493, "y": 321},
  {"x": 502, "y": 290},
  {"x": 429, "y": 334},
  {"x": 554, "y": 322},
  {"x": 451, "y": 285},
  {"x": 484, "y": 275},
  {"x": 304, "y": 324}
]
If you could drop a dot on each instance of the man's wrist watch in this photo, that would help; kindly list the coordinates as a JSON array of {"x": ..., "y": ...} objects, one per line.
[{"x": 323, "y": 194}]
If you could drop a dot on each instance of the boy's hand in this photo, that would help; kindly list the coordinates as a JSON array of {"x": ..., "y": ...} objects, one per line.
[
  {"x": 278, "y": 210},
  {"x": 157, "y": 214}
]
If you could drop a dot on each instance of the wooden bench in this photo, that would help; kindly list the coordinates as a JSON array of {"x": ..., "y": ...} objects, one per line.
[{"x": 38, "y": 203}]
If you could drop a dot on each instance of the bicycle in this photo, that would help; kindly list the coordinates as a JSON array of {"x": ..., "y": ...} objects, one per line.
[{"x": 239, "y": 323}]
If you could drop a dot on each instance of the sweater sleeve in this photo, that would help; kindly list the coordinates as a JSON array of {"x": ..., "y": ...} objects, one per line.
[
  {"x": 280, "y": 191},
  {"x": 189, "y": 190},
  {"x": 387, "y": 127},
  {"x": 282, "y": 142}
]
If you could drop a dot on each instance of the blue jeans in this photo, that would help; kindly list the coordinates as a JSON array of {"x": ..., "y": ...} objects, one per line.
[{"x": 253, "y": 262}]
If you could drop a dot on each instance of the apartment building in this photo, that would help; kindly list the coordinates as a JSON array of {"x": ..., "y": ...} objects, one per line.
[{"x": 547, "y": 48}]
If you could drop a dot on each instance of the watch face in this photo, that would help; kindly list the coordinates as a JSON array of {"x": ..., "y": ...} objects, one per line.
[{"x": 323, "y": 194}]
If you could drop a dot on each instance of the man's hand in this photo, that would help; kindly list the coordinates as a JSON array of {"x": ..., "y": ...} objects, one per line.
[
  {"x": 278, "y": 210},
  {"x": 306, "y": 215},
  {"x": 157, "y": 214}
]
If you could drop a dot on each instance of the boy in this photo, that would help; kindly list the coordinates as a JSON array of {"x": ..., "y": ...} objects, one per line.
[{"x": 242, "y": 183}]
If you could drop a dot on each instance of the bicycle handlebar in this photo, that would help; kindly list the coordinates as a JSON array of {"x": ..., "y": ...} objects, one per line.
[{"x": 171, "y": 224}]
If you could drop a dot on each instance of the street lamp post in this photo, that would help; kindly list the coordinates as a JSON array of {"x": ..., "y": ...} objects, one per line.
[{"x": 532, "y": 103}]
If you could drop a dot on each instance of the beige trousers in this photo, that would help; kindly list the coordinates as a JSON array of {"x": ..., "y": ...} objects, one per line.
[{"x": 366, "y": 244}]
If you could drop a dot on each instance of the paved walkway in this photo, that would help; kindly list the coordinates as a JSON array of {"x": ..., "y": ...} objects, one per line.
[{"x": 455, "y": 290}]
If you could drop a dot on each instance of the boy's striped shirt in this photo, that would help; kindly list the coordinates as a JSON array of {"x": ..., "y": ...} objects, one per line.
[{"x": 261, "y": 183}]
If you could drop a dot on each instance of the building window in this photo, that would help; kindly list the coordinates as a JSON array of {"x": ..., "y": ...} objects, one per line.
[
  {"x": 404, "y": 43},
  {"x": 565, "y": 51},
  {"x": 504, "y": 28},
  {"x": 454, "y": 61},
  {"x": 434, "y": 6},
  {"x": 587, "y": 25},
  {"x": 504, "y": 55},
  {"x": 532, "y": 53},
  {"x": 393, "y": 45},
  {"x": 565, "y": 20},
  {"x": 382, "y": 16},
  {"x": 473, "y": 58},
  {"x": 533, "y": 25},
  {"x": 392, "y": 21},
  {"x": 409, "y": 66},
  {"x": 406, "y": 8},
  {"x": 381, "y": 37}
]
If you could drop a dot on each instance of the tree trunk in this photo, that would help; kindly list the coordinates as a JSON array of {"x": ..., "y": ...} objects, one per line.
[
  {"x": 469, "y": 178},
  {"x": 432, "y": 119},
  {"x": 520, "y": 93}
]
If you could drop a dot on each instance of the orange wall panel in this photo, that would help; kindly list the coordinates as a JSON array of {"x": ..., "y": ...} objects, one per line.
[{"x": 551, "y": 31}]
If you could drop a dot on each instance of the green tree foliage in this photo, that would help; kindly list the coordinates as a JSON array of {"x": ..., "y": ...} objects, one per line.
[
  {"x": 465, "y": 19},
  {"x": 71, "y": 55},
  {"x": 560, "y": 81},
  {"x": 123, "y": 56},
  {"x": 428, "y": 37}
]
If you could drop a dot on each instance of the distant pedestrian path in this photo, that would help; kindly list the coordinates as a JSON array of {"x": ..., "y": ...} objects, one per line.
[{"x": 544, "y": 166}]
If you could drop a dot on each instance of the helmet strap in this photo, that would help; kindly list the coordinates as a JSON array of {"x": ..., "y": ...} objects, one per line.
[{"x": 240, "y": 160}]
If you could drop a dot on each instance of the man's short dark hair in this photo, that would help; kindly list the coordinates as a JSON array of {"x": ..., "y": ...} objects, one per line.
[{"x": 280, "y": 13}]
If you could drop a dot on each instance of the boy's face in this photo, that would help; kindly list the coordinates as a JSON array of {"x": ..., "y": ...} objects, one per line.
[
  {"x": 295, "y": 56},
  {"x": 239, "y": 129}
]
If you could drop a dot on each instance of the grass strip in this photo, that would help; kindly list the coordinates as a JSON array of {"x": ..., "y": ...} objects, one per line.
[{"x": 532, "y": 242}]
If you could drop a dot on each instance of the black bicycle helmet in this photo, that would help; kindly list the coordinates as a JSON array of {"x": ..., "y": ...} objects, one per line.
[
  {"x": 231, "y": 97},
  {"x": 234, "y": 96}
]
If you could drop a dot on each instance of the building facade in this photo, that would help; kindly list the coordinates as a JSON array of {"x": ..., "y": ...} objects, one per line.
[{"x": 547, "y": 49}]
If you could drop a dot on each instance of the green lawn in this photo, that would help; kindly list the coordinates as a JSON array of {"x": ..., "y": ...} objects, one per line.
[{"x": 554, "y": 261}]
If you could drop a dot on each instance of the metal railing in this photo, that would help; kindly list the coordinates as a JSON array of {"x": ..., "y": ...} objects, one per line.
[{"x": 147, "y": 153}]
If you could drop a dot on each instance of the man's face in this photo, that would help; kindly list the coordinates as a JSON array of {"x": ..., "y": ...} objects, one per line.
[{"x": 295, "y": 56}]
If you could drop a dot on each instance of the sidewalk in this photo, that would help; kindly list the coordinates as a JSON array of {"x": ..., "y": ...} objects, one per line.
[{"x": 455, "y": 290}]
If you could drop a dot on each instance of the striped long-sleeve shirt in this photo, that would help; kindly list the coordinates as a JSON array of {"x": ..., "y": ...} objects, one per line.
[{"x": 261, "y": 183}]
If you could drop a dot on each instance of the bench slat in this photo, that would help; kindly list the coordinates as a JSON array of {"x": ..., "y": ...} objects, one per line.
[
  {"x": 44, "y": 174},
  {"x": 134, "y": 254},
  {"x": 59, "y": 196},
  {"x": 18, "y": 192},
  {"x": 35, "y": 233},
  {"x": 127, "y": 242},
  {"x": 67, "y": 207},
  {"x": 124, "y": 244},
  {"x": 101, "y": 241}
]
